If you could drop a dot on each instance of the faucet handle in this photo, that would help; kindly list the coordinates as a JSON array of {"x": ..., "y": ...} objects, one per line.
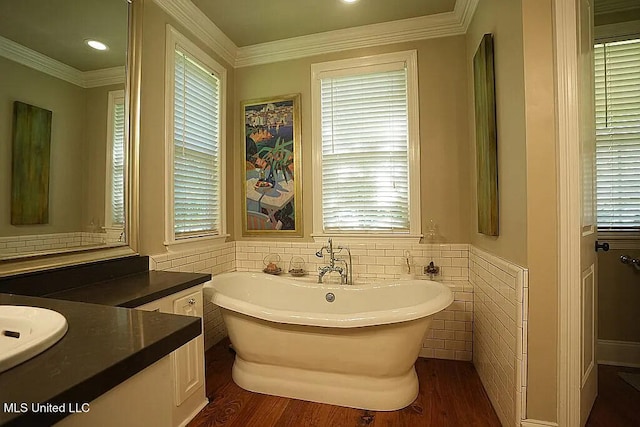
[{"x": 431, "y": 269}]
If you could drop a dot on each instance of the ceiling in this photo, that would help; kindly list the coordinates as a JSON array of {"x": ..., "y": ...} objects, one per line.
[
  {"x": 248, "y": 22},
  {"x": 58, "y": 28}
]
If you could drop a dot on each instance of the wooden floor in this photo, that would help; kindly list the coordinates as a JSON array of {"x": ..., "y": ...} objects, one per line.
[
  {"x": 618, "y": 403},
  {"x": 451, "y": 394}
]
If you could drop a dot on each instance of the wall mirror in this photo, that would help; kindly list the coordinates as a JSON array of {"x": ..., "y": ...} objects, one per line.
[{"x": 68, "y": 130}]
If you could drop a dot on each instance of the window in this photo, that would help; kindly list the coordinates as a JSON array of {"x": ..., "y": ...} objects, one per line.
[
  {"x": 617, "y": 98},
  {"x": 195, "y": 90},
  {"x": 116, "y": 160},
  {"x": 365, "y": 146}
]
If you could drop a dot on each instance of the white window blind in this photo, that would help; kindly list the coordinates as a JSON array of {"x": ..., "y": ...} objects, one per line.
[
  {"x": 117, "y": 164},
  {"x": 196, "y": 180},
  {"x": 617, "y": 98},
  {"x": 365, "y": 167}
]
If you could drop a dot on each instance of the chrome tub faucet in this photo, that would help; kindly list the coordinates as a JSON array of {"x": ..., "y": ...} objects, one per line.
[{"x": 346, "y": 274}]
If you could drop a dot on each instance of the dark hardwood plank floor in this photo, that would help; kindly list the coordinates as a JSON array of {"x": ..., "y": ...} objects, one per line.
[
  {"x": 617, "y": 402},
  {"x": 451, "y": 394}
]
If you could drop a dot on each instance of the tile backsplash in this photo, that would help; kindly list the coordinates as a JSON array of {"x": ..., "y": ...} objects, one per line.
[{"x": 370, "y": 261}]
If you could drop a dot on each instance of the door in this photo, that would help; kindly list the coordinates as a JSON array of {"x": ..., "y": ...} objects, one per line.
[{"x": 588, "y": 258}]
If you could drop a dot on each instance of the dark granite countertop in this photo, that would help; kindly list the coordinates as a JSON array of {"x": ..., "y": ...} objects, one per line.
[
  {"x": 133, "y": 290},
  {"x": 103, "y": 347},
  {"x": 106, "y": 343}
]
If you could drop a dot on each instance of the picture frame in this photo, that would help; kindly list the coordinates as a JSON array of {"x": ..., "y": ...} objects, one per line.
[
  {"x": 486, "y": 138},
  {"x": 271, "y": 169},
  {"x": 31, "y": 164}
]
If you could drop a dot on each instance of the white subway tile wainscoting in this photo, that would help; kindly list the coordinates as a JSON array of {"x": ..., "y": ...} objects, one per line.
[
  {"x": 14, "y": 245},
  {"x": 500, "y": 332},
  {"x": 370, "y": 261}
]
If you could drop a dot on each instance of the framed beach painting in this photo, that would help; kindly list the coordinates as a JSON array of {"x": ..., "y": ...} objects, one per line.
[{"x": 271, "y": 188}]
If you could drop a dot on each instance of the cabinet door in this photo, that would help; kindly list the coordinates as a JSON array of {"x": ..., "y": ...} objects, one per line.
[{"x": 188, "y": 360}]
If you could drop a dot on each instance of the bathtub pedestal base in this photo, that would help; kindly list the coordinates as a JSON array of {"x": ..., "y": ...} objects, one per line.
[{"x": 355, "y": 391}]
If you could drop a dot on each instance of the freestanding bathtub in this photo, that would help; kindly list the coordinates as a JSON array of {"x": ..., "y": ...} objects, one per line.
[{"x": 347, "y": 345}]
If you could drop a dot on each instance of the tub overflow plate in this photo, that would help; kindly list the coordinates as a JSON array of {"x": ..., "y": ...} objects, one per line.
[{"x": 330, "y": 297}]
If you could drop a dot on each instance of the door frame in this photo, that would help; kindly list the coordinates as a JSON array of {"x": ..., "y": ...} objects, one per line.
[{"x": 569, "y": 212}]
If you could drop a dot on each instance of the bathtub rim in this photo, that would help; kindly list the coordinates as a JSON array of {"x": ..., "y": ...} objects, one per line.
[{"x": 344, "y": 320}]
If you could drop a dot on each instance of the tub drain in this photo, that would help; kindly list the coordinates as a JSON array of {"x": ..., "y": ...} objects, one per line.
[{"x": 330, "y": 297}]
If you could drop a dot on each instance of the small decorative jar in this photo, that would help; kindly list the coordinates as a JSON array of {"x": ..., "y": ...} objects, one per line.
[
  {"x": 296, "y": 267},
  {"x": 272, "y": 264}
]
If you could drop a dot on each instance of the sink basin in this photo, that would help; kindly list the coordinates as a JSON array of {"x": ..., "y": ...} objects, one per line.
[{"x": 26, "y": 332}]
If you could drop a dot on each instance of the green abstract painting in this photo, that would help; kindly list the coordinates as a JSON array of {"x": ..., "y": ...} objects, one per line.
[
  {"x": 486, "y": 138},
  {"x": 30, "y": 164}
]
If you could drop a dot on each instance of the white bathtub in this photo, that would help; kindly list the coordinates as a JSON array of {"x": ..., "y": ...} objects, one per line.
[{"x": 357, "y": 351}]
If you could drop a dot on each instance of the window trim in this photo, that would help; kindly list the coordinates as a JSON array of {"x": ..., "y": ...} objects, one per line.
[
  {"x": 114, "y": 97},
  {"x": 349, "y": 66},
  {"x": 616, "y": 32},
  {"x": 175, "y": 39}
]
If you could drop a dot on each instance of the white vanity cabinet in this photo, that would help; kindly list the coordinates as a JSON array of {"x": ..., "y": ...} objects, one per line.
[
  {"x": 169, "y": 393},
  {"x": 187, "y": 362}
]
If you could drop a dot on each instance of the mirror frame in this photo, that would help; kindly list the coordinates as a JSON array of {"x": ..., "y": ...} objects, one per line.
[{"x": 45, "y": 261}]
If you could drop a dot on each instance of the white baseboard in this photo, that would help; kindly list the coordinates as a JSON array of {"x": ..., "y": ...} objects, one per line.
[
  {"x": 537, "y": 423},
  {"x": 195, "y": 412},
  {"x": 619, "y": 353}
]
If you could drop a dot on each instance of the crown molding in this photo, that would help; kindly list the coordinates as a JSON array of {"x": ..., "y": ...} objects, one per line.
[
  {"x": 404, "y": 30},
  {"x": 464, "y": 10},
  {"x": 32, "y": 59},
  {"x": 611, "y": 6},
  {"x": 103, "y": 77},
  {"x": 191, "y": 17},
  {"x": 445, "y": 24}
]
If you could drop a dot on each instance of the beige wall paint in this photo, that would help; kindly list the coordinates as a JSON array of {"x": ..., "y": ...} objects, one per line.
[
  {"x": 542, "y": 205},
  {"x": 504, "y": 20},
  {"x": 152, "y": 141},
  {"x": 443, "y": 128},
  {"x": 618, "y": 296},
  {"x": 95, "y": 156},
  {"x": 525, "y": 102},
  {"x": 66, "y": 101}
]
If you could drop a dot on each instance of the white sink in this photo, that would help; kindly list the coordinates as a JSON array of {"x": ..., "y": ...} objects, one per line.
[{"x": 26, "y": 332}]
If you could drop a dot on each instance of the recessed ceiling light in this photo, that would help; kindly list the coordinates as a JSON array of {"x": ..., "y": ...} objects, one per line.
[
  {"x": 349, "y": 1},
  {"x": 96, "y": 44}
]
